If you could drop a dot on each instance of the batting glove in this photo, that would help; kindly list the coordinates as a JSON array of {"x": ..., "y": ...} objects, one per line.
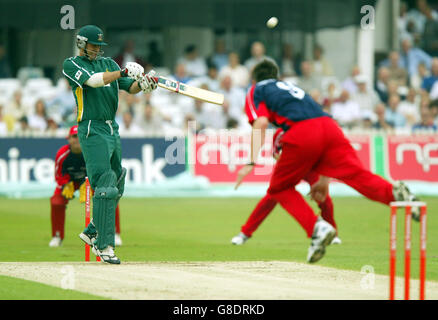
[
  {"x": 132, "y": 70},
  {"x": 148, "y": 82},
  {"x": 68, "y": 190}
]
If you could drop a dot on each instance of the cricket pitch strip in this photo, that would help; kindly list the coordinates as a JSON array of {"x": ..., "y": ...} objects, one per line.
[{"x": 271, "y": 280}]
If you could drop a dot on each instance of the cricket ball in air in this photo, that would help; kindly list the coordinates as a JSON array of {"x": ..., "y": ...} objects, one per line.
[{"x": 272, "y": 22}]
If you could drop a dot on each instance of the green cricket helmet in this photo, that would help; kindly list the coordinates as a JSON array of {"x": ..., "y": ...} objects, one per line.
[{"x": 90, "y": 34}]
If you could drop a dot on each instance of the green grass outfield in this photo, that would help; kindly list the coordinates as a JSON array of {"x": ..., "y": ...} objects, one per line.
[
  {"x": 18, "y": 289},
  {"x": 200, "y": 229}
]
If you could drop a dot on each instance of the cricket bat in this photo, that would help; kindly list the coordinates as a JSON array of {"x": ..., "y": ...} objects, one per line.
[{"x": 190, "y": 91}]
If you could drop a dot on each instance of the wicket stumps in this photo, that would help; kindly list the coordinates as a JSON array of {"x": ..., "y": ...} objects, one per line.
[
  {"x": 407, "y": 246},
  {"x": 87, "y": 216}
]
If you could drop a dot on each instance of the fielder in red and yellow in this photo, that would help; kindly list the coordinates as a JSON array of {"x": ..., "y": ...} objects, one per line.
[{"x": 70, "y": 173}]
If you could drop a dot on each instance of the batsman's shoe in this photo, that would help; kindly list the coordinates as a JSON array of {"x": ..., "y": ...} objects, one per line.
[
  {"x": 106, "y": 255},
  {"x": 323, "y": 235},
  {"x": 117, "y": 240},
  {"x": 55, "y": 242},
  {"x": 240, "y": 239},
  {"x": 336, "y": 240},
  {"x": 401, "y": 193},
  {"x": 88, "y": 238}
]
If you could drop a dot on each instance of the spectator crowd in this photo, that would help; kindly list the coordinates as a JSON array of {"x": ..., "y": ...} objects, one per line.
[{"x": 403, "y": 97}]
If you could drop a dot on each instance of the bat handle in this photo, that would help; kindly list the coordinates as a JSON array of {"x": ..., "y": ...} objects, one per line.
[{"x": 155, "y": 78}]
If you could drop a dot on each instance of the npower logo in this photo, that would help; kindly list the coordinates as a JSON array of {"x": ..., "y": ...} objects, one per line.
[
  {"x": 232, "y": 155},
  {"x": 422, "y": 154},
  {"x": 232, "y": 150}
]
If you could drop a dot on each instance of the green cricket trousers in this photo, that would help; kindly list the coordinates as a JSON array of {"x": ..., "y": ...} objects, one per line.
[{"x": 100, "y": 143}]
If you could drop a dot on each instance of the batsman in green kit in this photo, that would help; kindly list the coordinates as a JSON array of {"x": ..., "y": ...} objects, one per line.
[{"x": 96, "y": 81}]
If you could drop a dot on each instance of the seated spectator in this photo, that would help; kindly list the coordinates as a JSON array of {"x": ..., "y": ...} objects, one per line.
[
  {"x": 5, "y": 69},
  {"x": 38, "y": 120},
  {"x": 416, "y": 80},
  {"x": 257, "y": 55},
  {"x": 220, "y": 56},
  {"x": 433, "y": 106},
  {"x": 429, "y": 39},
  {"x": 330, "y": 97},
  {"x": 392, "y": 115},
  {"x": 211, "y": 79},
  {"x": 22, "y": 127},
  {"x": 366, "y": 123},
  {"x": 3, "y": 126},
  {"x": 181, "y": 73},
  {"x": 308, "y": 80},
  {"x": 128, "y": 128},
  {"x": 426, "y": 122},
  {"x": 402, "y": 22},
  {"x": 9, "y": 120},
  {"x": 237, "y": 120},
  {"x": 207, "y": 115},
  {"x": 52, "y": 127},
  {"x": 201, "y": 115},
  {"x": 152, "y": 122},
  {"x": 289, "y": 62},
  {"x": 225, "y": 116},
  {"x": 428, "y": 82},
  {"x": 417, "y": 16},
  {"x": 155, "y": 56},
  {"x": 131, "y": 103},
  {"x": 15, "y": 109},
  {"x": 424, "y": 100},
  {"x": 381, "y": 85},
  {"x": 346, "y": 111},
  {"x": 232, "y": 124},
  {"x": 62, "y": 106},
  {"x": 410, "y": 57},
  {"x": 194, "y": 64},
  {"x": 235, "y": 97},
  {"x": 316, "y": 95},
  {"x": 128, "y": 55},
  {"x": 320, "y": 65},
  {"x": 238, "y": 73},
  {"x": 396, "y": 72},
  {"x": 409, "y": 107},
  {"x": 381, "y": 123},
  {"x": 434, "y": 91},
  {"x": 349, "y": 84},
  {"x": 393, "y": 88},
  {"x": 365, "y": 97}
]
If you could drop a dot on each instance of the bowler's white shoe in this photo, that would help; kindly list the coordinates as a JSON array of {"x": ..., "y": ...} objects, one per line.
[
  {"x": 55, "y": 242},
  {"x": 117, "y": 240},
  {"x": 323, "y": 235},
  {"x": 240, "y": 239},
  {"x": 106, "y": 255},
  {"x": 336, "y": 240}
]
